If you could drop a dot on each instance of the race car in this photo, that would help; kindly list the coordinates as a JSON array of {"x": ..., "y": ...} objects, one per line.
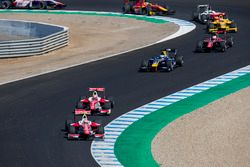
[
  {"x": 31, "y": 4},
  {"x": 166, "y": 61},
  {"x": 215, "y": 42},
  {"x": 219, "y": 23},
  {"x": 94, "y": 104},
  {"x": 84, "y": 129},
  {"x": 143, "y": 7},
  {"x": 202, "y": 13}
]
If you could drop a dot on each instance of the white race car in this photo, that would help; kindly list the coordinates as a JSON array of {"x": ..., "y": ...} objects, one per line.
[
  {"x": 202, "y": 13},
  {"x": 31, "y": 4}
]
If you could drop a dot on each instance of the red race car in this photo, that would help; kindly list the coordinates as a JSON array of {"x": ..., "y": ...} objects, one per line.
[
  {"x": 145, "y": 8},
  {"x": 215, "y": 42},
  {"x": 94, "y": 104},
  {"x": 84, "y": 129}
]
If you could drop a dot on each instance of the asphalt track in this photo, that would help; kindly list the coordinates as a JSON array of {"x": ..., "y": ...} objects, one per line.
[{"x": 33, "y": 110}]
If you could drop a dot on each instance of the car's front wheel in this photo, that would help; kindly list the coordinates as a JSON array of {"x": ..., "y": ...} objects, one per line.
[
  {"x": 67, "y": 125},
  {"x": 5, "y": 4}
]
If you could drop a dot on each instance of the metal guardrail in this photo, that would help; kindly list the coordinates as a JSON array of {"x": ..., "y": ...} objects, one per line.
[{"x": 35, "y": 46}]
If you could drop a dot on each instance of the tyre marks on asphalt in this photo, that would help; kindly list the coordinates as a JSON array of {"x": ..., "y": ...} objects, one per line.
[{"x": 103, "y": 150}]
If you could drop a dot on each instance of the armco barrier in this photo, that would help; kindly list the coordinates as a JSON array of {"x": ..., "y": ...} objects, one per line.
[{"x": 39, "y": 44}]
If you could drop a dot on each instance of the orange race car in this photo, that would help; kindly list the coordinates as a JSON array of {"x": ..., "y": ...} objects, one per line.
[
  {"x": 219, "y": 23},
  {"x": 143, "y": 7}
]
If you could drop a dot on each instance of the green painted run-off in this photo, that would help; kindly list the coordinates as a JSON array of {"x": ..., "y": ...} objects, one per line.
[
  {"x": 89, "y": 13},
  {"x": 133, "y": 147}
]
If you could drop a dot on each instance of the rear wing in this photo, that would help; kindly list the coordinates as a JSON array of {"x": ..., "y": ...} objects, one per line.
[
  {"x": 213, "y": 16},
  {"x": 97, "y": 89}
]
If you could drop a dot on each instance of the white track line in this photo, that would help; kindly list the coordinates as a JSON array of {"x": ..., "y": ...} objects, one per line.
[
  {"x": 99, "y": 152},
  {"x": 185, "y": 27},
  {"x": 182, "y": 30}
]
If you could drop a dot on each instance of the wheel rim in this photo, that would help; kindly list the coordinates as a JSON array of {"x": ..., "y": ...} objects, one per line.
[{"x": 5, "y": 5}]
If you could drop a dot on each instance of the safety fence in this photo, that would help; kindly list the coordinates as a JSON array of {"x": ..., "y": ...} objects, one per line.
[{"x": 35, "y": 46}]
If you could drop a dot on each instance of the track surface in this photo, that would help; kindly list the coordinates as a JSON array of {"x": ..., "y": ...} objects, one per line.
[{"x": 33, "y": 111}]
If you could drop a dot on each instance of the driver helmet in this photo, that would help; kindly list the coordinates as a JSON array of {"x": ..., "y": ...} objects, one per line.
[
  {"x": 84, "y": 119},
  {"x": 214, "y": 37},
  {"x": 162, "y": 56},
  {"x": 95, "y": 95},
  {"x": 165, "y": 52}
]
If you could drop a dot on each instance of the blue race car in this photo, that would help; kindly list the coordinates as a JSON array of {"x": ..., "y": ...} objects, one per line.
[{"x": 166, "y": 61}]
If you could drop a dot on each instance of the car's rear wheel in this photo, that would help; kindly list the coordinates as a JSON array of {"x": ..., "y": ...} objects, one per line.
[
  {"x": 199, "y": 47},
  {"x": 144, "y": 63},
  {"x": 149, "y": 10},
  {"x": 100, "y": 130},
  {"x": 42, "y": 5},
  {"x": 67, "y": 125},
  {"x": 143, "y": 11},
  {"x": 179, "y": 60},
  {"x": 170, "y": 66},
  {"x": 107, "y": 105},
  {"x": 230, "y": 42},
  {"x": 144, "y": 66},
  {"x": 72, "y": 130},
  {"x": 79, "y": 105},
  {"x": 126, "y": 9},
  {"x": 5, "y": 4},
  {"x": 222, "y": 46},
  {"x": 204, "y": 19}
]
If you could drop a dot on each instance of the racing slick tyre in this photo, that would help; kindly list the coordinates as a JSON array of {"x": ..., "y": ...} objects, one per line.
[
  {"x": 67, "y": 125},
  {"x": 144, "y": 66},
  {"x": 143, "y": 11},
  {"x": 90, "y": 137},
  {"x": 79, "y": 105},
  {"x": 126, "y": 9},
  {"x": 223, "y": 46},
  {"x": 179, "y": 61},
  {"x": 149, "y": 10},
  {"x": 170, "y": 66},
  {"x": 230, "y": 42},
  {"x": 100, "y": 130},
  {"x": 112, "y": 102},
  {"x": 42, "y": 5},
  {"x": 72, "y": 130},
  {"x": 107, "y": 106},
  {"x": 199, "y": 47},
  {"x": 5, "y": 4},
  {"x": 203, "y": 19}
]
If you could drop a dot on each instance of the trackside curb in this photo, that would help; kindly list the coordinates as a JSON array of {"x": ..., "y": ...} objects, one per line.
[{"x": 114, "y": 149}]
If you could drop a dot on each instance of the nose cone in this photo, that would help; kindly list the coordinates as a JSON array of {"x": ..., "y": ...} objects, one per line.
[{"x": 154, "y": 64}]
